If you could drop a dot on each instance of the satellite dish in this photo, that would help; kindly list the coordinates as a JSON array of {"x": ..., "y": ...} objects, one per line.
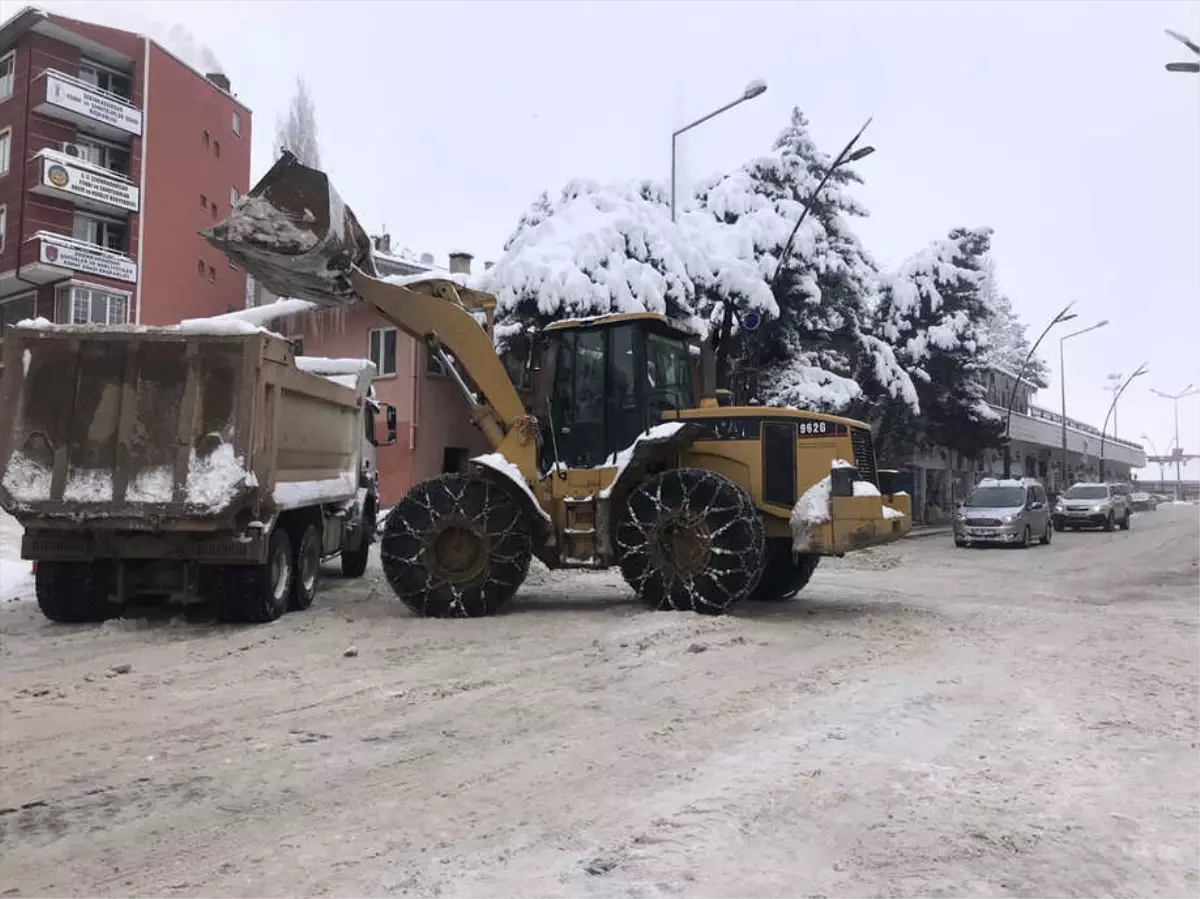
[{"x": 751, "y": 320}]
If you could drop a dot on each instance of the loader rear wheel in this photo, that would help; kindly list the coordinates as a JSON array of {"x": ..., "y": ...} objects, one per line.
[
  {"x": 457, "y": 546},
  {"x": 354, "y": 561},
  {"x": 782, "y": 577},
  {"x": 691, "y": 540},
  {"x": 256, "y": 594},
  {"x": 74, "y": 592}
]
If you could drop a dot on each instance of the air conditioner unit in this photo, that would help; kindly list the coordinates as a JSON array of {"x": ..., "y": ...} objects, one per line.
[{"x": 73, "y": 150}]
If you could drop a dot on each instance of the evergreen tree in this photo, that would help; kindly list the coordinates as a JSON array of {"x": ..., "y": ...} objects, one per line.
[
  {"x": 297, "y": 131},
  {"x": 1007, "y": 342},
  {"x": 934, "y": 311},
  {"x": 817, "y": 352}
]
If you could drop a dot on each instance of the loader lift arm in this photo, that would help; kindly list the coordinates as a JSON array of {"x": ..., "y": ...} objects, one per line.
[{"x": 293, "y": 233}]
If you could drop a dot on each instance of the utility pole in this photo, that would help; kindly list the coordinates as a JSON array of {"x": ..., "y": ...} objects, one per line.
[{"x": 1114, "y": 385}]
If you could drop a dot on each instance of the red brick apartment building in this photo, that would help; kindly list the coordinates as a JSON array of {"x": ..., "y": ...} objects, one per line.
[
  {"x": 435, "y": 432},
  {"x": 114, "y": 154}
]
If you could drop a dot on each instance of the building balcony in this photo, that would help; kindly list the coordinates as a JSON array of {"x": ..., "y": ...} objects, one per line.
[
  {"x": 1043, "y": 428},
  {"x": 64, "y": 97},
  {"x": 59, "y": 256},
  {"x": 87, "y": 186}
]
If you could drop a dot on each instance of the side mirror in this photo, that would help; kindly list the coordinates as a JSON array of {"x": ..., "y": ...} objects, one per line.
[{"x": 1037, "y": 504}]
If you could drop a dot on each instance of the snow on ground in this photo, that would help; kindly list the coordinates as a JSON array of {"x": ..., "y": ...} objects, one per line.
[
  {"x": 920, "y": 721},
  {"x": 16, "y": 575}
]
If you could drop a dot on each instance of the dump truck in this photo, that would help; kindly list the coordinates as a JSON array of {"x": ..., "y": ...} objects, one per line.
[
  {"x": 623, "y": 454},
  {"x": 202, "y": 462}
]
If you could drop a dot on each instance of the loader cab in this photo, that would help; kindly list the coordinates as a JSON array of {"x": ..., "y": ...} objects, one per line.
[{"x": 601, "y": 382}]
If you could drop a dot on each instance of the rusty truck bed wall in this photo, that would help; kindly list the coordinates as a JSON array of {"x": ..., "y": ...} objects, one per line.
[{"x": 165, "y": 430}]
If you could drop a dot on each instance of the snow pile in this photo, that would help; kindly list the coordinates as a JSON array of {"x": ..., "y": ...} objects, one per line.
[
  {"x": 811, "y": 511},
  {"x": 890, "y": 513},
  {"x": 26, "y": 480},
  {"x": 246, "y": 321},
  {"x": 295, "y": 494},
  {"x": 89, "y": 486},
  {"x": 253, "y": 220},
  {"x": 420, "y": 277},
  {"x": 35, "y": 324},
  {"x": 154, "y": 485},
  {"x": 26, "y": 359},
  {"x": 865, "y": 488},
  {"x": 214, "y": 480},
  {"x": 16, "y": 574},
  {"x": 621, "y": 460},
  {"x": 319, "y": 365}
]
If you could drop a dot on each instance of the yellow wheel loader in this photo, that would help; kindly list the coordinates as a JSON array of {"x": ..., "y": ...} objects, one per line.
[{"x": 608, "y": 458}]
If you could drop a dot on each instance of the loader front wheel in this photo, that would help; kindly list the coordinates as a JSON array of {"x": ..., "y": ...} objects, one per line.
[
  {"x": 691, "y": 540},
  {"x": 256, "y": 594},
  {"x": 782, "y": 576},
  {"x": 73, "y": 592},
  {"x": 457, "y": 546}
]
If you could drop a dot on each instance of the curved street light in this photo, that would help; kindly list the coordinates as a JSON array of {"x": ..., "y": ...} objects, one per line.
[
  {"x": 755, "y": 88},
  {"x": 1142, "y": 369},
  {"x": 1192, "y": 67},
  {"x": 1064, "y": 315},
  {"x": 1162, "y": 468},
  {"x": 1062, "y": 383},
  {"x": 1190, "y": 390}
]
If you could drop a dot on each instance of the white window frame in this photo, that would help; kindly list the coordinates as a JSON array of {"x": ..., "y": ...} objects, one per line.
[
  {"x": 99, "y": 68},
  {"x": 5, "y": 150},
  {"x": 67, "y": 313},
  {"x": 102, "y": 157},
  {"x": 8, "y": 82},
  {"x": 235, "y": 123},
  {"x": 234, "y": 196},
  {"x": 383, "y": 332},
  {"x": 17, "y": 298},
  {"x": 103, "y": 223}
]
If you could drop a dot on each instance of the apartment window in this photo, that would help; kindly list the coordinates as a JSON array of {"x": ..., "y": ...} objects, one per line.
[
  {"x": 233, "y": 196},
  {"x": 8, "y": 64},
  {"x": 298, "y": 346},
  {"x": 200, "y": 267},
  {"x": 110, "y": 156},
  {"x": 236, "y": 123},
  {"x": 92, "y": 306},
  {"x": 207, "y": 140},
  {"x": 214, "y": 210},
  {"x": 216, "y": 148},
  {"x": 106, "y": 79},
  {"x": 212, "y": 274},
  {"x": 3, "y": 226},
  {"x": 108, "y": 233},
  {"x": 5, "y": 149},
  {"x": 203, "y": 201},
  {"x": 17, "y": 309},
  {"x": 383, "y": 350}
]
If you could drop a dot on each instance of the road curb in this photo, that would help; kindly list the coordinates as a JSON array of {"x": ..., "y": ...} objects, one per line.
[{"x": 934, "y": 531}]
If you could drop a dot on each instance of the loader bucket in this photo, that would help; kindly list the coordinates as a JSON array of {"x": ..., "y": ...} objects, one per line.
[{"x": 295, "y": 236}]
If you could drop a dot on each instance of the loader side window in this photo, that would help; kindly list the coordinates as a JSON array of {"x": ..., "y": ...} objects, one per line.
[
  {"x": 668, "y": 375},
  {"x": 579, "y": 398}
]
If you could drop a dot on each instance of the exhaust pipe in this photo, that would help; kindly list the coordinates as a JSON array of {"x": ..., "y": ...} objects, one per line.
[{"x": 295, "y": 236}]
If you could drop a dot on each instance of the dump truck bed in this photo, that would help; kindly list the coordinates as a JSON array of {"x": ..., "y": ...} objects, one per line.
[{"x": 163, "y": 429}]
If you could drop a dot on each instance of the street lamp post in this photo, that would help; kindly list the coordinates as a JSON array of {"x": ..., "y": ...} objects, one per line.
[
  {"x": 1114, "y": 384},
  {"x": 1062, "y": 383},
  {"x": 753, "y": 89},
  {"x": 1065, "y": 315},
  {"x": 1175, "y": 398},
  {"x": 1162, "y": 468},
  {"x": 1192, "y": 67},
  {"x": 1116, "y": 396}
]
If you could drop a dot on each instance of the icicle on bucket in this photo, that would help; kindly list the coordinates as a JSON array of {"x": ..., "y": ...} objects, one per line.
[{"x": 295, "y": 236}]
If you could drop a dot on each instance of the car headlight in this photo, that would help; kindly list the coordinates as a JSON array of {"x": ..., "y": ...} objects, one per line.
[
  {"x": 1059, "y": 507},
  {"x": 1098, "y": 507},
  {"x": 1007, "y": 519}
]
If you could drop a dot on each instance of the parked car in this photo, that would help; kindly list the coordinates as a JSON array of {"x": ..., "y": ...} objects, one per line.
[
  {"x": 1093, "y": 506},
  {"x": 1143, "y": 502},
  {"x": 1011, "y": 512}
]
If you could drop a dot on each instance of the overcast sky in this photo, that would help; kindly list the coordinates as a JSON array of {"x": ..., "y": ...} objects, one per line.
[{"x": 1055, "y": 123}]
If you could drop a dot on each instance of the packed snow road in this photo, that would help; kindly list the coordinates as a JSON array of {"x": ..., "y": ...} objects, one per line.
[{"x": 924, "y": 721}]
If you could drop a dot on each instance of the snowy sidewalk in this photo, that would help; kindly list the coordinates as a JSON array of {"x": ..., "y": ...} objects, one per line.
[{"x": 16, "y": 575}]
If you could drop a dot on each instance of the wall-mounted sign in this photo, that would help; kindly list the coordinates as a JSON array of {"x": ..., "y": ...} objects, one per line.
[
  {"x": 89, "y": 184},
  {"x": 93, "y": 104},
  {"x": 82, "y": 257}
]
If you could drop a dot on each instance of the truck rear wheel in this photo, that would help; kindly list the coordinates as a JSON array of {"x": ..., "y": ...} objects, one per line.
[
  {"x": 256, "y": 594},
  {"x": 782, "y": 577},
  {"x": 457, "y": 546},
  {"x": 691, "y": 540},
  {"x": 307, "y": 569},
  {"x": 73, "y": 592},
  {"x": 354, "y": 561}
]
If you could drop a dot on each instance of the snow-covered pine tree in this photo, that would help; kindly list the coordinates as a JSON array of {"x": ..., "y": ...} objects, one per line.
[
  {"x": 601, "y": 248},
  {"x": 1007, "y": 341},
  {"x": 933, "y": 311},
  {"x": 814, "y": 356},
  {"x": 297, "y": 131}
]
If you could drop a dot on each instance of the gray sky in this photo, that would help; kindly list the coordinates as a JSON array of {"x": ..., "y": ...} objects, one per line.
[{"x": 1055, "y": 123}]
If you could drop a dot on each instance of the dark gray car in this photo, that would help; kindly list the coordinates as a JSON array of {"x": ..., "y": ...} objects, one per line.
[{"x": 1094, "y": 506}]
